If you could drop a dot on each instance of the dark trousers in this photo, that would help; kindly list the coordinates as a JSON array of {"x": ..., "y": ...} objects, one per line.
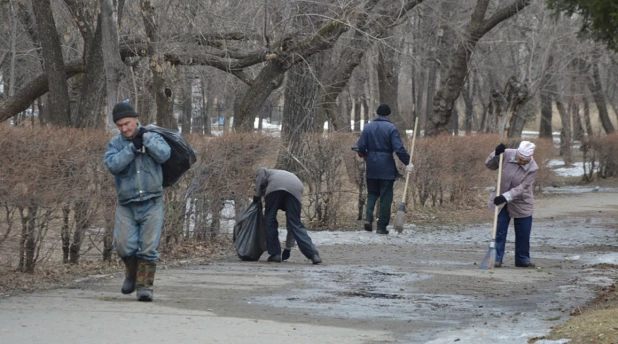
[
  {"x": 523, "y": 227},
  {"x": 383, "y": 189},
  {"x": 283, "y": 200}
]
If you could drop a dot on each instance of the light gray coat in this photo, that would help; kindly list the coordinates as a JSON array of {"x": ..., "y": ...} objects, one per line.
[
  {"x": 267, "y": 181},
  {"x": 516, "y": 185}
]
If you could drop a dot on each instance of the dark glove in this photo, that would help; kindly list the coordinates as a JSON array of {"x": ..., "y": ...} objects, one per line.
[
  {"x": 140, "y": 131},
  {"x": 256, "y": 199},
  {"x": 138, "y": 143},
  {"x": 500, "y": 149},
  {"x": 499, "y": 200},
  {"x": 286, "y": 254}
]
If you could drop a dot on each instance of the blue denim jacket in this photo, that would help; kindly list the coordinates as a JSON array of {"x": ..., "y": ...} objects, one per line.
[{"x": 138, "y": 177}]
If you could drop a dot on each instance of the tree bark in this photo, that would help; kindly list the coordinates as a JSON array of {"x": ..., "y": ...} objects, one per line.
[
  {"x": 163, "y": 94},
  {"x": 115, "y": 71},
  {"x": 388, "y": 86},
  {"x": 596, "y": 88},
  {"x": 53, "y": 63},
  {"x": 478, "y": 26},
  {"x": 92, "y": 98},
  {"x": 545, "y": 129},
  {"x": 35, "y": 89},
  {"x": 352, "y": 55},
  {"x": 271, "y": 76},
  {"x": 300, "y": 114}
]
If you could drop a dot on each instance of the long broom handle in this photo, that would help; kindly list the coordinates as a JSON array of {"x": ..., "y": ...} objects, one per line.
[
  {"x": 405, "y": 188},
  {"x": 497, "y": 208}
]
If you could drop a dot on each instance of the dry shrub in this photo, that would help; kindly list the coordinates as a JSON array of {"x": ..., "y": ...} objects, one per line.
[
  {"x": 600, "y": 152},
  {"x": 52, "y": 180},
  {"x": 323, "y": 172},
  {"x": 451, "y": 169},
  {"x": 225, "y": 171}
]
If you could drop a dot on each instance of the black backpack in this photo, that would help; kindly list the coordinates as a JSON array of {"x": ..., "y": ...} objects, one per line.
[{"x": 181, "y": 158}]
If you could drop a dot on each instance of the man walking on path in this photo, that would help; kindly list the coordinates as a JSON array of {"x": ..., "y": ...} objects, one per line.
[
  {"x": 134, "y": 157},
  {"x": 283, "y": 190},
  {"x": 378, "y": 141}
]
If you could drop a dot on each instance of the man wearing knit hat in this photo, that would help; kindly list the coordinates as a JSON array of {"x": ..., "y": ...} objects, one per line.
[
  {"x": 134, "y": 157},
  {"x": 378, "y": 141},
  {"x": 518, "y": 173}
]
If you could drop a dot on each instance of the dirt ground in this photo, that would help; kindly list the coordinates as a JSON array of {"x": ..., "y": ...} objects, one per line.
[{"x": 421, "y": 286}]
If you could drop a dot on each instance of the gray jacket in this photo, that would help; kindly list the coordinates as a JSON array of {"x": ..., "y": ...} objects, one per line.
[
  {"x": 268, "y": 181},
  {"x": 516, "y": 185}
]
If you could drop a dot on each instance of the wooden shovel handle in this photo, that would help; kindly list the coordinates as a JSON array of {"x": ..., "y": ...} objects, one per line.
[
  {"x": 497, "y": 208},
  {"x": 405, "y": 188}
]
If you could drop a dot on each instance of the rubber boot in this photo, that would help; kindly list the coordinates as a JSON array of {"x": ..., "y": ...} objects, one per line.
[
  {"x": 130, "y": 275},
  {"x": 145, "y": 279}
]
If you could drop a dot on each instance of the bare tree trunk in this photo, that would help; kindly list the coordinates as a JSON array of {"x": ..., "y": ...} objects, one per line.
[
  {"x": 208, "y": 98},
  {"x": 460, "y": 59},
  {"x": 575, "y": 99},
  {"x": 65, "y": 234},
  {"x": 587, "y": 116},
  {"x": 82, "y": 222},
  {"x": 53, "y": 62},
  {"x": 163, "y": 94},
  {"x": 92, "y": 99},
  {"x": 467, "y": 97},
  {"x": 115, "y": 71},
  {"x": 596, "y": 88},
  {"x": 545, "y": 129},
  {"x": 357, "y": 114},
  {"x": 187, "y": 107},
  {"x": 565, "y": 132},
  {"x": 300, "y": 114},
  {"x": 388, "y": 85}
]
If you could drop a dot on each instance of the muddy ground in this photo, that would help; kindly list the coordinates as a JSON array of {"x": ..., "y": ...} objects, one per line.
[{"x": 421, "y": 286}]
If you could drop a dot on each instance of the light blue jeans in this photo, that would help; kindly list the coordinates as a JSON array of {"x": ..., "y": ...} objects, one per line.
[{"x": 138, "y": 229}]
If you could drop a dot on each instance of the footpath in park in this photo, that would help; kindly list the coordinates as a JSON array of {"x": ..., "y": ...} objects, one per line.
[{"x": 420, "y": 286}]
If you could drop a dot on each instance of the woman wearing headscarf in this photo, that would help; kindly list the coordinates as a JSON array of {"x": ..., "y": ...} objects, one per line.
[{"x": 518, "y": 173}]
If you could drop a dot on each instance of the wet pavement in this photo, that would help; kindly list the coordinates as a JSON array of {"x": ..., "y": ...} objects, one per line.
[{"x": 420, "y": 286}]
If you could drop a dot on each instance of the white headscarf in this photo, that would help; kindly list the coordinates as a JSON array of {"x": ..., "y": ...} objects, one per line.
[{"x": 526, "y": 150}]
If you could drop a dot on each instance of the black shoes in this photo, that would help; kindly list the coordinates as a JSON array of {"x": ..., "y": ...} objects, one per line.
[
  {"x": 286, "y": 254},
  {"x": 382, "y": 231},
  {"x": 316, "y": 259},
  {"x": 276, "y": 258},
  {"x": 368, "y": 226},
  {"x": 525, "y": 265},
  {"x": 497, "y": 264}
]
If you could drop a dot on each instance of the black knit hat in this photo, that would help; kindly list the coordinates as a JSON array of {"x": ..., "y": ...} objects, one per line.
[
  {"x": 383, "y": 110},
  {"x": 122, "y": 110}
]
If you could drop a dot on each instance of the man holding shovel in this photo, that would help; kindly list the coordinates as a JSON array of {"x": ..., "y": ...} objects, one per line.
[
  {"x": 378, "y": 141},
  {"x": 518, "y": 173}
]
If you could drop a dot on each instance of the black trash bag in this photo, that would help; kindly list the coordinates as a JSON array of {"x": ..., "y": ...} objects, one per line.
[
  {"x": 181, "y": 158},
  {"x": 250, "y": 233}
]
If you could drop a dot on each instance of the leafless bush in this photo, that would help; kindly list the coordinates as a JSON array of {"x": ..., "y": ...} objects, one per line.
[
  {"x": 451, "y": 169},
  {"x": 600, "y": 152},
  {"x": 322, "y": 171},
  {"x": 225, "y": 172}
]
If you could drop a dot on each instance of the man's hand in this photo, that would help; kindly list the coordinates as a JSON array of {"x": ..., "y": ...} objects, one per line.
[
  {"x": 138, "y": 143},
  {"x": 256, "y": 199},
  {"x": 138, "y": 139},
  {"x": 409, "y": 168},
  {"x": 141, "y": 131},
  {"x": 499, "y": 200},
  {"x": 500, "y": 149}
]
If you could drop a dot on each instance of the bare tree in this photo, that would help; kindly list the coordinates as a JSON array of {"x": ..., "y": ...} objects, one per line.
[{"x": 478, "y": 26}]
